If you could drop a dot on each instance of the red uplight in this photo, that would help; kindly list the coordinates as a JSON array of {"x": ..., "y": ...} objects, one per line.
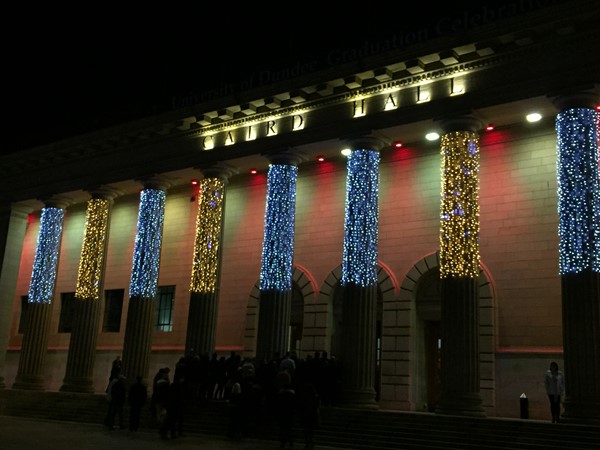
[
  {"x": 398, "y": 144},
  {"x": 194, "y": 182},
  {"x": 490, "y": 127},
  {"x": 320, "y": 158},
  {"x": 253, "y": 171},
  {"x": 597, "y": 107}
]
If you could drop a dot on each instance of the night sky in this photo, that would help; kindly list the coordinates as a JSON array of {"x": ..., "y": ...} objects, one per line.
[{"x": 86, "y": 67}]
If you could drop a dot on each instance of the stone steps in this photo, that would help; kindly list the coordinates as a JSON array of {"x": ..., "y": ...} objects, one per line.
[{"x": 345, "y": 428}]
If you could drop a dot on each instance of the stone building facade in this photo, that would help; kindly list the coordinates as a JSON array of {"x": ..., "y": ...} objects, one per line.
[{"x": 108, "y": 248}]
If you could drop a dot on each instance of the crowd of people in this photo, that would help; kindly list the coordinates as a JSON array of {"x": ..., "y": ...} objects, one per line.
[{"x": 286, "y": 388}]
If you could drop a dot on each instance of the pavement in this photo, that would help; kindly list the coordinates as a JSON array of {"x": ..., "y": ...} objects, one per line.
[{"x": 18, "y": 433}]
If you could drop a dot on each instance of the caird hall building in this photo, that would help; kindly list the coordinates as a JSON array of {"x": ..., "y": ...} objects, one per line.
[{"x": 444, "y": 275}]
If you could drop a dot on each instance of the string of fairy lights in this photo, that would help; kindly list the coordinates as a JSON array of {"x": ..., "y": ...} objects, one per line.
[
  {"x": 359, "y": 264},
  {"x": 91, "y": 262},
  {"x": 459, "y": 228},
  {"x": 45, "y": 262},
  {"x": 208, "y": 235},
  {"x": 278, "y": 241},
  {"x": 578, "y": 178},
  {"x": 146, "y": 252},
  {"x": 578, "y": 174}
]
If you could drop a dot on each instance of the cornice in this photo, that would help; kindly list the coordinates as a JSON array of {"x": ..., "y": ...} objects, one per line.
[{"x": 489, "y": 47}]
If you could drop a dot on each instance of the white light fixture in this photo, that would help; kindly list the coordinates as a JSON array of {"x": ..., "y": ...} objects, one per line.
[
  {"x": 533, "y": 117},
  {"x": 346, "y": 152},
  {"x": 432, "y": 136}
]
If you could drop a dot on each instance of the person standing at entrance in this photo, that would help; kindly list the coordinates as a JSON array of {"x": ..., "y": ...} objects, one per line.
[
  {"x": 554, "y": 382},
  {"x": 138, "y": 394}
]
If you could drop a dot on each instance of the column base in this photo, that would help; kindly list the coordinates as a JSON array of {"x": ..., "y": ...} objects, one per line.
[
  {"x": 29, "y": 383},
  {"x": 583, "y": 413},
  {"x": 359, "y": 399},
  {"x": 460, "y": 405},
  {"x": 81, "y": 385}
]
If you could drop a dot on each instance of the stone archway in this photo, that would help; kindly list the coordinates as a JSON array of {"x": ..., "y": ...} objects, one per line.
[
  {"x": 420, "y": 299},
  {"x": 387, "y": 288},
  {"x": 304, "y": 288}
]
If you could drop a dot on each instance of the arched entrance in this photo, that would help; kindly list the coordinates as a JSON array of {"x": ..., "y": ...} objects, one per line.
[
  {"x": 429, "y": 313},
  {"x": 303, "y": 293},
  {"x": 337, "y": 327},
  {"x": 421, "y": 292},
  {"x": 331, "y": 293}
]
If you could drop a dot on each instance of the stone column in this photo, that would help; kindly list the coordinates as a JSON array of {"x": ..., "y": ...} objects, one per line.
[
  {"x": 459, "y": 268},
  {"x": 79, "y": 373},
  {"x": 144, "y": 280},
  {"x": 579, "y": 252},
  {"x": 39, "y": 302},
  {"x": 275, "y": 299},
  {"x": 359, "y": 274},
  {"x": 13, "y": 224},
  {"x": 206, "y": 264}
]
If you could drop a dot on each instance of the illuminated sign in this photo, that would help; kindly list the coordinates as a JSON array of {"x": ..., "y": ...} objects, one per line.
[{"x": 360, "y": 106}]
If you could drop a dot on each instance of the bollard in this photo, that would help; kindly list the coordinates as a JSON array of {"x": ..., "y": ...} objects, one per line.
[{"x": 524, "y": 401}]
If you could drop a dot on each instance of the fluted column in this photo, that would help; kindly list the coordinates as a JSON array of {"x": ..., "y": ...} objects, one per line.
[
  {"x": 359, "y": 274},
  {"x": 144, "y": 280},
  {"x": 82, "y": 347},
  {"x": 13, "y": 224},
  {"x": 459, "y": 268},
  {"x": 41, "y": 293},
  {"x": 275, "y": 300},
  {"x": 579, "y": 252},
  {"x": 206, "y": 264}
]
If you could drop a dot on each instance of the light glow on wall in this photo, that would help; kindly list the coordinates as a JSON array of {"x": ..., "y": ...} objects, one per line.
[
  {"x": 459, "y": 230},
  {"x": 208, "y": 236},
  {"x": 578, "y": 190},
  {"x": 361, "y": 222},
  {"x": 146, "y": 253},
  {"x": 278, "y": 242},
  {"x": 91, "y": 263},
  {"x": 45, "y": 262}
]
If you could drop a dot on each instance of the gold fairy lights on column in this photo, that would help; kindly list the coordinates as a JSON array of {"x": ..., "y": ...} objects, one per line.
[
  {"x": 92, "y": 251},
  {"x": 459, "y": 230},
  {"x": 208, "y": 236}
]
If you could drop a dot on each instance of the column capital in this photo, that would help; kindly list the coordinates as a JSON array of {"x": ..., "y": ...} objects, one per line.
[
  {"x": 366, "y": 142},
  {"x": 57, "y": 201},
  {"x": 19, "y": 208},
  {"x": 220, "y": 170},
  {"x": 105, "y": 193},
  {"x": 461, "y": 122},
  {"x": 290, "y": 156},
  {"x": 577, "y": 99},
  {"x": 158, "y": 182}
]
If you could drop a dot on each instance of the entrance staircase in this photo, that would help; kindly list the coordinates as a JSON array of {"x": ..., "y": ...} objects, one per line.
[{"x": 340, "y": 427}]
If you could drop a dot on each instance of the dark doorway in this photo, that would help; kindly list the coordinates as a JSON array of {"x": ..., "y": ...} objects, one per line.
[
  {"x": 429, "y": 313},
  {"x": 296, "y": 320},
  {"x": 433, "y": 338}
]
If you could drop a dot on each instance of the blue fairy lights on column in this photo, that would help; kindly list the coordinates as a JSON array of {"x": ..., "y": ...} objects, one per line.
[
  {"x": 47, "y": 251},
  {"x": 146, "y": 253},
  {"x": 359, "y": 265},
  {"x": 578, "y": 190},
  {"x": 278, "y": 243}
]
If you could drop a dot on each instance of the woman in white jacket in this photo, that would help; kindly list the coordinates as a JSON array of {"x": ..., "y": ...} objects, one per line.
[{"x": 554, "y": 381}]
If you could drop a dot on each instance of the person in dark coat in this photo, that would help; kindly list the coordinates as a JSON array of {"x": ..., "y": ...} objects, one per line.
[
  {"x": 286, "y": 414},
  {"x": 175, "y": 406},
  {"x": 160, "y": 387},
  {"x": 116, "y": 402},
  {"x": 138, "y": 395},
  {"x": 310, "y": 407}
]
